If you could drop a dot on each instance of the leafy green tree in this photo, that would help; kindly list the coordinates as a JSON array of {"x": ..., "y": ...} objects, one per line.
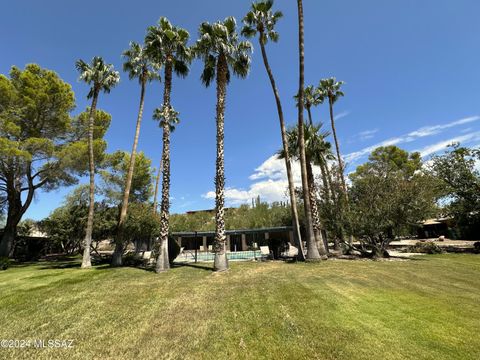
[
  {"x": 261, "y": 21},
  {"x": 138, "y": 66},
  {"x": 76, "y": 154},
  {"x": 222, "y": 53},
  {"x": 66, "y": 224},
  {"x": 116, "y": 172},
  {"x": 390, "y": 195},
  {"x": 459, "y": 176},
  {"x": 166, "y": 44},
  {"x": 35, "y": 128},
  {"x": 102, "y": 78}
]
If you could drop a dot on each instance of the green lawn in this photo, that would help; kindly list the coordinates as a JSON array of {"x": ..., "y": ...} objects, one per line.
[{"x": 428, "y": 308}]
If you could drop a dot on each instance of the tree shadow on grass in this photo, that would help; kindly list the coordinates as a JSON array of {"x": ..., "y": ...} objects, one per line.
[{"x": 192, "y": 265}]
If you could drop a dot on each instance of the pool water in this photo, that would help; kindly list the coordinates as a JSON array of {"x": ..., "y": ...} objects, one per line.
[{"x": 207, "y": 256}]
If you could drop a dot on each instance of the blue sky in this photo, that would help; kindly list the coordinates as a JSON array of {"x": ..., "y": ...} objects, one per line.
[{"x": 412, "y": 73}]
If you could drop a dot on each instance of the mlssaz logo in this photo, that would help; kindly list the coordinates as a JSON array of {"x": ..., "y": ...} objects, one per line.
[{"x": 64, "y": 344}]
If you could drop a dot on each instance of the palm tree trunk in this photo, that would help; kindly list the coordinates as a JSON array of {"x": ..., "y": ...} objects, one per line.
[
  {"x": 291, "y": 184},
  {"x": 326, "y": 184},
  {"x": 86, "y": 261},
  {"x": 337, "y": 148},
  {"x": 157, "y": 182},
  {"x": 163, "y": 263},
  {"x": 317, "y": 227},
  {"x": 220, "y": 261},
  {"x": 340, "y": 167},
  {"x": 328, "y": 191},
  {"x": 312, "y": 250},
  {"x": 119, "y": 241},
  {"x": 310, "y": 120}
]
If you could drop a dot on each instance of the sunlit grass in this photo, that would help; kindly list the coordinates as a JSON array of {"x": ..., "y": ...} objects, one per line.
[{"x": 427, "y": 308}]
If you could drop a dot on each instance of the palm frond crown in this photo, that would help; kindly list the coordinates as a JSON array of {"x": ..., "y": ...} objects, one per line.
[
  {"x": 138, "y": 65},
  {"x": 221, "y": 39},
  {"x": 317, "y": 147},
  {"x": 166, "y": 42},
  {"x": 99, "y": 75},
  {"x": 261, "y": 19},
  {"x": 163, "y": 113},
  {"x": 311, "y": 97},
  {"x": 331, "y": 88}
]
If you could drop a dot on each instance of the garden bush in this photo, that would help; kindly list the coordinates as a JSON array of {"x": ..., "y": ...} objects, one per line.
[
  {"x": 476, "y": 247},
  {"x": 426, "y": 248},
  {"x": 4, "y": 263}
]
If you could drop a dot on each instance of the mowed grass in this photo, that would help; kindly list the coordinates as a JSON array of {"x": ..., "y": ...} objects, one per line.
[{"x": 428, "y": 308}]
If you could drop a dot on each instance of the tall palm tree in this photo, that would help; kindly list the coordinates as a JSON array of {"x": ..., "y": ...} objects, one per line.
[
  {"x": 261, "y": 20},
  {"x": 330, "y": 88},
  {"x": 166, "y": 45},
  {"x": 222, "y": 53},
  {"x": 311, "y": 97},
  {"x": 314, "y": 150},
  {"x": 312, "y": 250},
  {"x": 100, "y": 77},
  {"x": 138, "y": 66}
]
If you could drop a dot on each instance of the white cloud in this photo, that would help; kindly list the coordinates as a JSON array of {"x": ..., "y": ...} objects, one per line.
[
  {"x": 271, "y": 184},
  {"x": 442, "y": 145},
  {"x": 367, "y": 134},
  {"x": 268, "y": 190},
  {"x": 412, "y": 136},
  {"x": 435, "y": 129},
  {"x": 341, "y": 115},
  {"x": 272, "y": 168}
]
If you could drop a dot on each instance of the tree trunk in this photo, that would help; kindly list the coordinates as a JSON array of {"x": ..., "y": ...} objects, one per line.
[
  {"x": 310, "y": 120},
  {"x": 317, "y": 227},
  {"x": 157, "y": 182},
  {"x": 329, "y": 191},
  {"x": 220, "y": 261},
  {"x": 13, "y": 218},
  {"x": 128, "y": 184},
  {"x": 337, "y": 148},
  {"x": 291, "y": 184},
  {"x": 312, "y": 250},
  {"x": 326, "y": 185},
  {"x": 163, "y": 263},
  {"x": 86, "y": 261}
]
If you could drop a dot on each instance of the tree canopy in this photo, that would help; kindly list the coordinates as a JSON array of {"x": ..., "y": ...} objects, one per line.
[
  {"x": 459, "y": 176},
  {"x": 389, "y": 195},
  {"x": 115, "y": 173}
]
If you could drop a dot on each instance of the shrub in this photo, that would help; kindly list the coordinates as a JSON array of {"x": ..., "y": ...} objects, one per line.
[
  {"x": 476, "y": 247},
  {"x": 4, "y": 263},
  {"x": 426, "y": 248},
  {"x": 132, "y": 259}
]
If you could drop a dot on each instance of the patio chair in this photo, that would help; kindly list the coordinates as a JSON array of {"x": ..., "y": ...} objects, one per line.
[
  {"x": 266, "y": 253},
  {"x": 210, "y": 248},
  {"x": 201, "y": 248},
  {"x": 292, "y": 252}
]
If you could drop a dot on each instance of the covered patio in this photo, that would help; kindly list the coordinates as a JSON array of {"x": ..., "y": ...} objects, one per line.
[{"x": 276, "y": 238}]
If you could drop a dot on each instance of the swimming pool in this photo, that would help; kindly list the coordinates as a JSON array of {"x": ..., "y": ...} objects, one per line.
[{"x": 189, "y": 256}]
